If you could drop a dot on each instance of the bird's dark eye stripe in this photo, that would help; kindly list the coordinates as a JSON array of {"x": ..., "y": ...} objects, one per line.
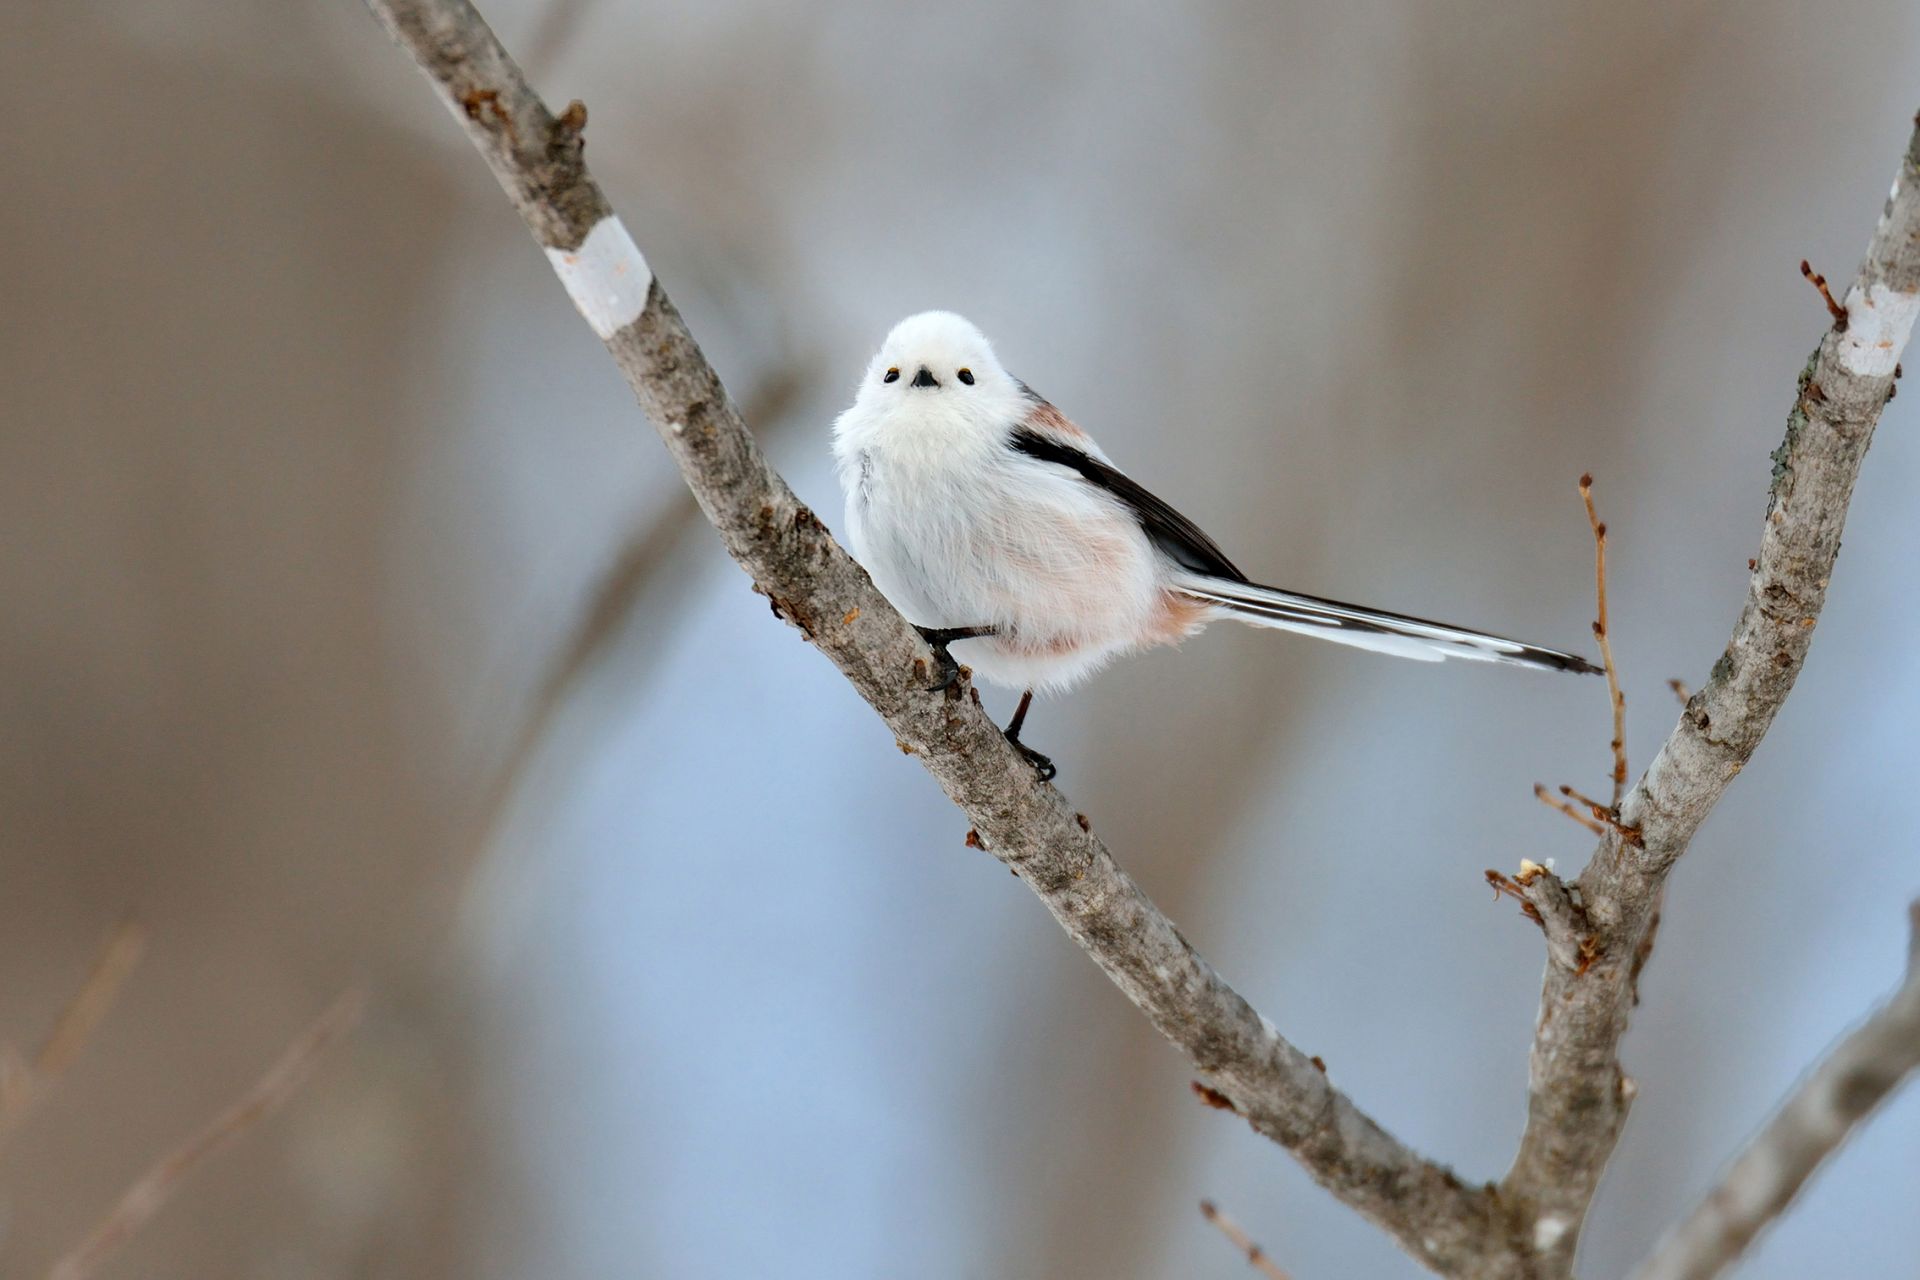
[
  {"x": 893, "y": 375},
  {"x": 966, "y": 376}
]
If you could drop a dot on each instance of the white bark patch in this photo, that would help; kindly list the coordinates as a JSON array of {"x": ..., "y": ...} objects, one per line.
[
  {"x": 1548, "y": 1232},
  {"x": 606, "y": 277},
  {"x": 1879, "y": 322}
]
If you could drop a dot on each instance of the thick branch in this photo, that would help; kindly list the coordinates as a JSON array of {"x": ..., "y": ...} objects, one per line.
[
  {"x": 1578, "y": 1096},
  {"x": 1854, "y": 1078},
  {"x": 814, "y": 584}
]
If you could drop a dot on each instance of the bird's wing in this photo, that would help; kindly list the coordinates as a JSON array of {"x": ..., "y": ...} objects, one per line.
[{"x": 1048, "y": 435}]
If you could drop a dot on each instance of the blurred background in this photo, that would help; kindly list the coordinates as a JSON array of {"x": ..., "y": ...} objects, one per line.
[{"x": 354, "y": 629}]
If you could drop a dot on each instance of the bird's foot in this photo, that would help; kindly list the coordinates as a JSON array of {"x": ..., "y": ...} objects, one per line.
[
  {"x": 1042, "y": 765},
  {"x": 948, "y": 673}
]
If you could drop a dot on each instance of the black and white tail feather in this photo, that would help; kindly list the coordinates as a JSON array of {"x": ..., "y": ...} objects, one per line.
[{"x": 1373, "y": 629}]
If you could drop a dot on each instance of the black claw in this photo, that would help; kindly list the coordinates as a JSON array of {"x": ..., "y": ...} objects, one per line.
[
  {"x": 1043, "y": 765},
  {"x": 938, "y": 638},
  {"x": 949, "y": 670}
]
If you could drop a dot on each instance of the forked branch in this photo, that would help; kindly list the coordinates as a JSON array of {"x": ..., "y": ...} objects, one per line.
[{"x": 1577, "y": 1093}]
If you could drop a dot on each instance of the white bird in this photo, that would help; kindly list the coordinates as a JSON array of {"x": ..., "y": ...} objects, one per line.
[{"x": 997, "y": 526}]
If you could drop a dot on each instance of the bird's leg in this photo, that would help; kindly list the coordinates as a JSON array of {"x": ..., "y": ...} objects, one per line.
[
  {"x": 1044, "y": 764},
  {"x": 938, "y": 638}
]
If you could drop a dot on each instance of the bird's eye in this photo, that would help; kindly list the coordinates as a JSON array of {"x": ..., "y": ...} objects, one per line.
[
  {"x": 893, "y": 375},
  {"x": 966, "y": 376}
]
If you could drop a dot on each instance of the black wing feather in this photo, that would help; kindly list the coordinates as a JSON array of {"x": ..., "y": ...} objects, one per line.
[{"x": 1180, "y": 538}]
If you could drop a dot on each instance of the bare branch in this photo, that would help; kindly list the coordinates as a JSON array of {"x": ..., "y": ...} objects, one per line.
[
  {"x": 1257, "y": 1258},
  {"x": 148, "y": 1193},
  {"x": 24, "y": 1083},
  {"x": 1841, "y": 1091},
  {"x": 1577, "y": 1094},
  {"x": 812, "y": 582}
]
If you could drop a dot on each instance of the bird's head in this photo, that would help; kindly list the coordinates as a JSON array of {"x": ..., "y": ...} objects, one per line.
[
  {"x": 935, "y": 379},
  {"x": 934, "y": 351}
]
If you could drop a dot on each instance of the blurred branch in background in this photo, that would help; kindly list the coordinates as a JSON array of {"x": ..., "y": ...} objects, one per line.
[
  {"x": 151, "y": 1190},
  {"x": 614, "y": 599},
  {"x": 24, "y": 1082},
  {"x": 561, "y": 23},
  {"x": 1529, "y": 1226},
  {"x": 1854, "y": 1078}
]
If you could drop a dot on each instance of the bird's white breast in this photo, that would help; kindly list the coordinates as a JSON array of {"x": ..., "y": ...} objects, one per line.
[{"x": 958, "y": 529}]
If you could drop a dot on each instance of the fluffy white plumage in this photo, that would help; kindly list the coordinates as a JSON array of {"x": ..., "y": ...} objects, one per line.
[{"x": 973, "y": 502}]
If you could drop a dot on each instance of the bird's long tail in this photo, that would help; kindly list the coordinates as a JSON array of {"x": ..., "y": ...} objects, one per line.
[{"x": 1392, "y": 633}]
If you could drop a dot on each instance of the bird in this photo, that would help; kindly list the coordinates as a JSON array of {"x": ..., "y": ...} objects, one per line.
[{"x": 1015, "y": 546}]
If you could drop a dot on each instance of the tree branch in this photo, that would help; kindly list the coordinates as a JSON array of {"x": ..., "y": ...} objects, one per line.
[
  {"x": 1578, "y": 1096},
  {"x": 150, "y": 1190},
  {"x": 1854, "y": 1078},
  {"x": 1256, "y": 1257},
  {"x": 23, "y": 1083},
  {"x": 813, "y": 583}
]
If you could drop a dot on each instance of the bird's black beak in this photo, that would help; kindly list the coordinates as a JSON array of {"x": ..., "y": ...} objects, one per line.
[{"x": 924, "y": 378}]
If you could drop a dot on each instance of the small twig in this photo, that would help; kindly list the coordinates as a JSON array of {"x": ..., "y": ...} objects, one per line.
[
  {"x": 1680, "y": 691},
  {"x": 1504, "y": 885},
  {"x": 1606, "y": 644},
  {"x": 1818, "y": 281},
  {"x": 22, "y": 1083},
  {"x": 1823, "y": 1109},
  {"x": 146, "y": 1196},
  {"x": 96, "y": 995},
  {"x": 1553, "y": 802},
  {"x": 1256, "y": 1256},
  {"x": 1599, "y": 811},
  {"x": 1608, "y": 818}
]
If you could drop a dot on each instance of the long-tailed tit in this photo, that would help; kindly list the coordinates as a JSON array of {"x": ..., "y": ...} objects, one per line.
[{"x": 999, "y": 527}]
